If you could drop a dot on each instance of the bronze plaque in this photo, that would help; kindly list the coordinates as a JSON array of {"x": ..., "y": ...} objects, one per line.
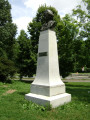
[{"x": 42, "y": 54}]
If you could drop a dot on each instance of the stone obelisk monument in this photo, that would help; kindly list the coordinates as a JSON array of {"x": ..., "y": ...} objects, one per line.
[{"x": 48, "y": 88}]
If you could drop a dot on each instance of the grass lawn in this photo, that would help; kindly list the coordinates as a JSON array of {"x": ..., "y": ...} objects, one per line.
[{"x": 13, "y": 106}]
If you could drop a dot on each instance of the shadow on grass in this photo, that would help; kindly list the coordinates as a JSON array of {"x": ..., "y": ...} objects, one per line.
[
  {"x": 7, "y": 81},
  {"x": 22, "y": 93},
  {"x": 26, "y": 81},
  {"x": 79, "y": 92}
]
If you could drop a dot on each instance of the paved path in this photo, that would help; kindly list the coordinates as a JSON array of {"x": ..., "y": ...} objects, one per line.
[
  {"x": 74, "y": 77},
  {"x": 76, "y": 80},
  {"x": 65, "y": 80}
]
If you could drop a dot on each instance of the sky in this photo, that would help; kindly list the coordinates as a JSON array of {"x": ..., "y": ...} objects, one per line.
[{"x": 23, "y": 11}]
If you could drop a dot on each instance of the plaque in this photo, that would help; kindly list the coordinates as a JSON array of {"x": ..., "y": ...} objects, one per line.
[{"x": 42, "y": 54}]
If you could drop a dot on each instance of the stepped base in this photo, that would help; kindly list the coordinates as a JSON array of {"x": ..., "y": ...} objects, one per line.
[
  {"x": 54, "y": 101},
  {"x": 47, "y": 90}
]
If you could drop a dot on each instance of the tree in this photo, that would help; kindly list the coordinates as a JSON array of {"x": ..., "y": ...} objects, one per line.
[
  {"x": 79, "y": 55},
  {"x": 7, "y": 29},
  {"x": 67, "y": 30},
  {"x": 83, "y": 17},
  {"x": 7, "y": 41},
  {"x": 24, "y": 57},
  {"x": 34, "y": 30}
]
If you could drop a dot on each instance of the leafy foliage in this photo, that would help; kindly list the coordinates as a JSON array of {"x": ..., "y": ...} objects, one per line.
[
  {"x": 24, "y": 57},
  {"x": 7, "y": 28},
  {"x": 83, "y": 17},
  {"x": 7, "y": 41},
  {"x": 67, "y": 31},
  {"x": 7, "y": 69}
]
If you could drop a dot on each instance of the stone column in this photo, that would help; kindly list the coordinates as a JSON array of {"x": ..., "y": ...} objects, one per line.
[{"x": 47, "y": 87}]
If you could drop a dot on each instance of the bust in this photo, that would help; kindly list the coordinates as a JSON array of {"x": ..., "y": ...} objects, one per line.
[{"x": 50, "y": 23}]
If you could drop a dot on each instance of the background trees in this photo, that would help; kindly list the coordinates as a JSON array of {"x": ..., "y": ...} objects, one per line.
[
  {"x": 7, "y": 28},
  {"x": 83, "y": 39},
  {"x": 7, "y": 40},
  {"x": 67, "y": 31},
  {"x": 25, "y": 58}
]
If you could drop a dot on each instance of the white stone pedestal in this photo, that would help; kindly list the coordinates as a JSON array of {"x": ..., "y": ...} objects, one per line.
[{"x": 47, "y": 87}]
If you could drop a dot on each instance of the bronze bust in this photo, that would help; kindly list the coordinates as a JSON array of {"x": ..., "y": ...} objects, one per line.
[{"x": 50, "y": 23}]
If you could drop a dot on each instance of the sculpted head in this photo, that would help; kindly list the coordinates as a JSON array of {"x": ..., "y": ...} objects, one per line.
[
  {"x": 49, "y": 15},
  {"x": 49, "y": 23}
]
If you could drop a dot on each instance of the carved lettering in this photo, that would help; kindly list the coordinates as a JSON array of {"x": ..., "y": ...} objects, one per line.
[{"x": 42, "y": 54}]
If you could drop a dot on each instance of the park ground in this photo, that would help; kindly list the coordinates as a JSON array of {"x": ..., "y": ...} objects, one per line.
[{"x": 13, "y": 105}]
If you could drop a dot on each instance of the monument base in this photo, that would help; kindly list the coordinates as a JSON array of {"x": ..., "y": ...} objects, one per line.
[
  {"x": 47, "y": 90},
  {"x": 54, "y": 101}
]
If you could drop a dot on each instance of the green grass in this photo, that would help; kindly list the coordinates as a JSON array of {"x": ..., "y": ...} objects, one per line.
[{"x": 15, "y": 107}]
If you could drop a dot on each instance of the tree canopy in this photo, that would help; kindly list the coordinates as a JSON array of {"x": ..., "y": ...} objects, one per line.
[
  {"x": 7, "y": 40},
  {"x": 83, "y": 18},
  {"x": 67, "y": 31},
  {"x": 25, "y": 59},
  {"x": 7, "y": 28}
]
